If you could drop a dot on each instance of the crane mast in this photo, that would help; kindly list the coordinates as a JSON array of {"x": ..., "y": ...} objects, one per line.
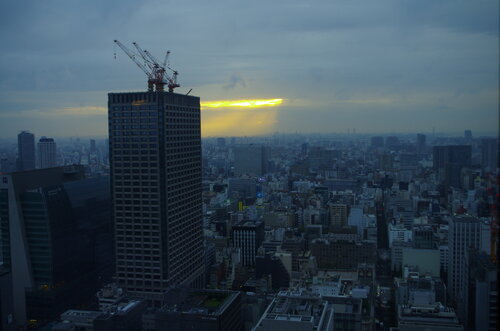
[{"x": 156, "y": 72}]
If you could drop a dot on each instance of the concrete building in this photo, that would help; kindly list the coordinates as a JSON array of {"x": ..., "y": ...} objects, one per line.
[
  {"x": 155, "y": 159},
  {"x": 25, "y": 151},
  {"x": 190, "y": 309},
  {"x": 421, "y": 304},
  {"x": 398, "y": 232},
  {"x": 342, "y": 254},
  {"x": 297, "y": 310},
  {"x": 338, "y": 215},
  {"x": 427, "y": 318},
  {"x": 46, "y": 151}
]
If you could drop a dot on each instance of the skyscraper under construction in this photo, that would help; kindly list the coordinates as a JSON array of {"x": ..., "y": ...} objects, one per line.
[{"x": 155, "y": 155}]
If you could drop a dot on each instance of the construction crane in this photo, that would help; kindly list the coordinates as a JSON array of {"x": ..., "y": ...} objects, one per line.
[{"x": 156, "y": 72}]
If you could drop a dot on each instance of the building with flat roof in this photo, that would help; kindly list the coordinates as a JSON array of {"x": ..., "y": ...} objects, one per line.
[
  {"x": 248, "y": 236},
  {"x": 25, "y": 151},
  {"x": 192, "y": 309},
  {"x": 297, "y": 310},
  {"x": 155, "y": 158},
  {"x": 46, "y": 151}
]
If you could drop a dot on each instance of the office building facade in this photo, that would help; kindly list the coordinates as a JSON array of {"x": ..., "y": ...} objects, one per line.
[
  {"x": 448, "y": 162},
  {"x": 46, "y": 151},
  {"x": 248, "y": 236},
  {"x": 56, "y": 239},
  {"x": 155, "y": 158},
  {"x": 25, "y": 151},
  {"x": 464, "y": 232},
  {"x": 250, "y": 160}
]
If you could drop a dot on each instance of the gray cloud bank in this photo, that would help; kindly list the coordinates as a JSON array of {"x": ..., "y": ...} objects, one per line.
[{"x": 377, "y": 66}]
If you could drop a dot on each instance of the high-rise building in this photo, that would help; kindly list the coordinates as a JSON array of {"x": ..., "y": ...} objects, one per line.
[
  {"x": 250, "y": 159},
  {"x": 489, "y": 154},
  {"x": 248, "y": 236},
  {"x": 479, "y": 306},
  {"x": 46, "y": 149},
  {"x": 25, "y": 151},
  {"x": 448, "y": 162},
  {"x": 421, "y": 145},
  {"x": 56, "y": 239},
  {"x": 465, "y": 232},
  {"x": 155, "y": 158}
]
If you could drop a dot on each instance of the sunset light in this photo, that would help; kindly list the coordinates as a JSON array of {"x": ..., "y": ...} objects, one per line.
[{"x": 241, "y": 103}]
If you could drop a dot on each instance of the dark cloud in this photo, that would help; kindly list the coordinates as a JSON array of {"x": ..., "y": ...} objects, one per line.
[{"x": 433, "y": 52}]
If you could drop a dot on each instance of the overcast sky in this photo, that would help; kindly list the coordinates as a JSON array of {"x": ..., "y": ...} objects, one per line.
[{"x": 372, "y": 66}]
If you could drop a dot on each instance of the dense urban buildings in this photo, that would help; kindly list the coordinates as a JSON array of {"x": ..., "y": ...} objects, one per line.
[
  {"x": 376, "y": 235},
  {"x": 155, "y": 160}
]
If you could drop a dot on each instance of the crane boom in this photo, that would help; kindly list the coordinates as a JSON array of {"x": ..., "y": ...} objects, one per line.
[
  {"x": 132, "y": 56},
  {"x": 143, "y": 55},
  {"x": 156, "y": 72}
]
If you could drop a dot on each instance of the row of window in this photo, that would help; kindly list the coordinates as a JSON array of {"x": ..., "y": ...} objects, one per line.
[
  {"x": 134, "y": 139},
  {"x": 135, "y": 133}
]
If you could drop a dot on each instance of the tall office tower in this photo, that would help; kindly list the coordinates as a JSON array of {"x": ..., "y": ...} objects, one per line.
[
  {"x": 25, "y": 151},
  {"x": 448, "y": 162},
  {"x": 248, "y": 236},
  {"x": 421, "y": 144},
  {"x": 480, "y": 304},
  {"x": 46, "y": 149},
  {"x": 250, "y": 159},
  {"x": 56, "y": 239},
  {"x": 489, "y": 154},
  {"x": 464, "y": 232},
  {"x": 155, "y": 158}
]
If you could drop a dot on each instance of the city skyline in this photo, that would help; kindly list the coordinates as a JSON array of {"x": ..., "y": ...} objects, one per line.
[{"x": 385, "y": 67}]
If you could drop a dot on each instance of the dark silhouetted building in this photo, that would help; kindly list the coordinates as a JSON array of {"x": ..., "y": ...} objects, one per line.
[
  {"x": 190, "y": 309},
  {"x": 342, "y": 254},
  {"x": 155, "y": 158},
  {"x": 448, "y": 162},
  {"x": 56, "y": 239},
  {"x": 250, "y": 159},
  {"x": 248, "y": 236},
  {"x": 25, "y": 151},
  {"x": 489, "y": 154}
]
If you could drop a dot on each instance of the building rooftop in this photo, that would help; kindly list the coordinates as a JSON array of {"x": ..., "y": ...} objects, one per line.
[{"x": 204, "y": 302}]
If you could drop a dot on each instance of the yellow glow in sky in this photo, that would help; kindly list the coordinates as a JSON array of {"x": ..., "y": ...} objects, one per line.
[{"x": 241, "y": 103}]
